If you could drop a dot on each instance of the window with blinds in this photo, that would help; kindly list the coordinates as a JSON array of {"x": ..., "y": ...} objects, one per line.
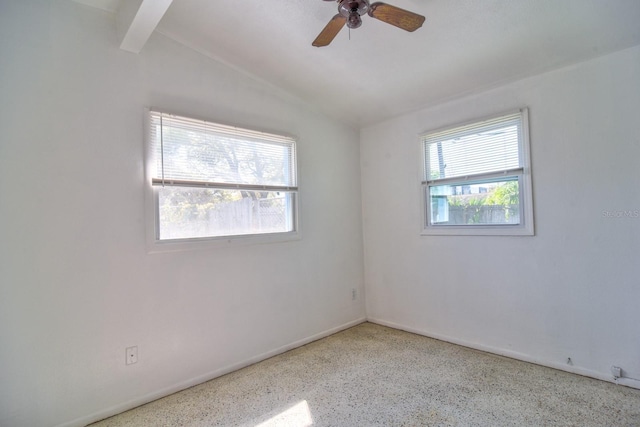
[
  {"x": 477, "y": 177},
  {"x": 212, "y": 180}
]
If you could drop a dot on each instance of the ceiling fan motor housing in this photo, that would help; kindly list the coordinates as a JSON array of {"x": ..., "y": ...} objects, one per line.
[{"x": 347, "y": 7}]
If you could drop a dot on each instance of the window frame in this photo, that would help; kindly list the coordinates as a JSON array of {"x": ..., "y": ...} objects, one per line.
[
  {"x": 522, "y": 174},
  {"x": 155, "y": 244}
]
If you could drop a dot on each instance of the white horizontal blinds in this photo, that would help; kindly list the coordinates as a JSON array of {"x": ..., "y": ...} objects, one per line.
[
  {"x": 192, "y": 152},
  {"x": 480, "y": 148}
]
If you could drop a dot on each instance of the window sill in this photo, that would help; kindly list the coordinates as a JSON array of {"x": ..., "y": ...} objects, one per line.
[
  {"x": 163, "y": 246},
  {"x": 477, "y": 230}
]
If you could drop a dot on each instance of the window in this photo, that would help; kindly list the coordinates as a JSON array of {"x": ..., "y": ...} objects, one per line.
[
  {"x": 214, "y": 181},
  {"x": 477, "y": 178}
]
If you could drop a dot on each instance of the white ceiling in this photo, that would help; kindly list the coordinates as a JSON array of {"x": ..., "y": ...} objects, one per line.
[{"x": 464, "y": 46}]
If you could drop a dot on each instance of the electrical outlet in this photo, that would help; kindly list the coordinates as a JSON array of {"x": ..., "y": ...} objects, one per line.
[
  {"x": 132, "y": 355},
  {"x": 354, "y": 294}
]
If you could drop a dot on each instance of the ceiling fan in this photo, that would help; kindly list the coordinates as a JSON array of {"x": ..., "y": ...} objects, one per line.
[{"x": 350, "y": 11}]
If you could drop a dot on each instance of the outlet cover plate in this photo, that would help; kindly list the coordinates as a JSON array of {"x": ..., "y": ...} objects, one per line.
[{"x": 132, "y": 355}]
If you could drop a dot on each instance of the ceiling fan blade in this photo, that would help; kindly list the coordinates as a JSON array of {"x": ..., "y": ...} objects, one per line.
[
  {"x": 401, "y": 18},
  {"x": 329, "y": 32}
]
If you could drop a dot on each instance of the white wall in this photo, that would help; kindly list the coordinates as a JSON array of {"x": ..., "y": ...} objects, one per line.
[
  {"x": 77, "y": 285},
  {"x": 570, "y": 291}
]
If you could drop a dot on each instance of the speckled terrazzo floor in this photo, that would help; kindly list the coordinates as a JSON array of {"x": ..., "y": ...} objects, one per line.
[{"x": 371, "y": 375}]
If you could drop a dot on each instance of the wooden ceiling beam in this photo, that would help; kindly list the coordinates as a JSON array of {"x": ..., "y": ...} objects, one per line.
[{"x": 137, "y": 19}]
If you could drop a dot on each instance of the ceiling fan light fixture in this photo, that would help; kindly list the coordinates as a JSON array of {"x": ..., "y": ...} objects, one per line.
[{"x": 354, "y": 20}]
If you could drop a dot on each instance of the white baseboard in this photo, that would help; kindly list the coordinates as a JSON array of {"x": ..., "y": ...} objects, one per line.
[
  {"x": 629, "y": 382},
  {"x": 134, "y": 403}
]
